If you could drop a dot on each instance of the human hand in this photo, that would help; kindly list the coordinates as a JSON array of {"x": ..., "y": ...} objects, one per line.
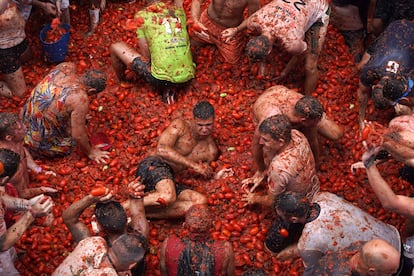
[
  {"x": 255, "y": 180},
  {"x": 229, "y": 33},
  {"x": 362, "y": 124},
  {"x": 368, "y": 158},
  {"x": 249, "y": 198},
  {"x": 224, "y": 173},
  {"x": 42, "y": 206},
  {"x": 401, "y": 109},
  {"x": 48, "y": 190},
  {"x": 357, "y": 165},
  {"x": 204, "y": 169},
  {"x": 98, "y": 155},
  {"x": 4, "y": 180},
  {"x": 136, "y": 189}
]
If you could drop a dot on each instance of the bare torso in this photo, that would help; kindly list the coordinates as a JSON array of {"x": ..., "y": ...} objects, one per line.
[
  {"x": 227, "y": 13},
  {"x": 181, "y": 137}
]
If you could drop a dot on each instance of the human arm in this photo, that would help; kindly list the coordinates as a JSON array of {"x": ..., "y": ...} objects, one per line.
[
  {"x": 254, "y": 198},
  {"x": 196, "y": 12},
  {"x": 49, "y": 8},
  {"x": 228, "y": 263},
  {"x": 139, "y": 222},
  {"x": 71, "y": 216},
  {"x": 41, "y": 207},
  {"x": 364, "y": 60},
  {"x": 363, "y": 93},
  {"x": 163, "y": 266},
  {"x": 399, "y": 204},
  {"x": 400, "y": 148},
  {"x": 80, "y": 107},
  {"x": 329, "y": 129},
  {"x": 166, "y": 148}
]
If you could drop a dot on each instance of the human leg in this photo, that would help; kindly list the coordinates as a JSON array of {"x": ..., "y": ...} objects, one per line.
[
  {"x": 122, "y": 56},
  {"x": 13, "y": 84}
]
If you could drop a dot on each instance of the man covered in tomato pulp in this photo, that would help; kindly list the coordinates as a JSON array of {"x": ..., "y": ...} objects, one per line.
[
  {"x": 55, "y": 112},
  {"x": 165, "y": 58},
  {"x": 299, "y": 27},
  {"x": 221, "y": 24},
  {"x": 184, "y": 144}
]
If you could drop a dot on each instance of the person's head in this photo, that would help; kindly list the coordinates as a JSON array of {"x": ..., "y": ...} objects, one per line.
[
  {"x": 258, "y": 47},
  {"x": 95, "y": 80},
  {"x": 310, "y": 110},
  {"x": 378, "y": 98},
  {"x": 203, "y": 113},
  {"x": 376, "y": 257},
  {"x": 11, "y": 127},
  {"x": 111, "y": 217},
  {"x": 9, "y": 163},
  {"x": 275, "y": 132},
  {"x": 126, "y": 251},
  {"x": 397, "y": 89},
  {"x": 292, "y": 207},
  {"x": 198, "y": 218}
]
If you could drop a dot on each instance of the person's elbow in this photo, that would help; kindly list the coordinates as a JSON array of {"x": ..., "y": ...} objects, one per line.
[
  {"x": 68, "y": 218},
  {"x": 4, "y": 245}
]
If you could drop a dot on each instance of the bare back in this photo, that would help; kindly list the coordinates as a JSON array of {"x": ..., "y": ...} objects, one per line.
[
  {"x": 228, "y": 13},
  {"x": 275, "y": 100}
]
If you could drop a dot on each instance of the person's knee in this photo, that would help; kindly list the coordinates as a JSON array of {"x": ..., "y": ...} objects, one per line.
[
  {"x": 199, "y": 199},
  {"x": 114, "y": 48}
]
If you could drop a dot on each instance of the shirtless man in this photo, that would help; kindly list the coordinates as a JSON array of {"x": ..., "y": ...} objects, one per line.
[
  {"x": 221, "y": 24},
  {"x": 299, "y": 26},
  {"x": 288, "y": 162},
  {"x": 55, "y": 112},
  {"x": 12, "y": 132},
  {"x": 305, "y": 113},
  {"x": 183, "y": 145}
]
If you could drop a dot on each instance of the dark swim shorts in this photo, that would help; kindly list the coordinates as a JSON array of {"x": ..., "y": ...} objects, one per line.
[
  {"x": 10, "y": 58},
  {"x": 142, "y": 68},
  {"x": 152, "y": 170}
]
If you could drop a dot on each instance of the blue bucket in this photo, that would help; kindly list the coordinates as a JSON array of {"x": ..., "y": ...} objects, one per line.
[{"x": 55, "y": 52}]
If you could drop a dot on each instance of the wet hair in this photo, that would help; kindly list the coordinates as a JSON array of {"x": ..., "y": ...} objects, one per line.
[
  {"x": 198, "y": 217},
  {"x": 278, "y": 127},
  {"x": 95, "y": 79},
  {"x": 292, "y": 204},
  {"x": 10, "y": 161},
  {"x": 111, "y": 217},
  {"x": 255, "y": 272},
  {"x": 309, "y": 107},
  {"x": 7, "y": 121},
  {"x": 129, "y": 248},
  {"x": 258, "y": 47},
  {"x": 393, "y": 87},
  {"x": 203, "y": 110},
  {"x": 379, "y": 100}
]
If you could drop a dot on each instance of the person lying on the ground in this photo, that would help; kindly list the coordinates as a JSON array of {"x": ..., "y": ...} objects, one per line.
[
  {"x": 198, "y": 251},
  {"x": 164, "y": 58},
  {"x": 305, "y": 113},
  {"x": 12, "y": 132},
  {"x": 184, "y": 144},
  {"x": 219, "y": 24},
  {"x": 55, "y": 113},
  {"x": 12, "y": 231},
  {"x": 122, "y": 247},
  {"x": 286, "y": 163}
]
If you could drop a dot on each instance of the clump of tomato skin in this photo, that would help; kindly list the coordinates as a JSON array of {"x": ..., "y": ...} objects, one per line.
[{"x": 133, "y": 116}]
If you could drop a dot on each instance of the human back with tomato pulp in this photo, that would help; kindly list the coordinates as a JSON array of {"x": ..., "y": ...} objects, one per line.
[
  {"x": 164, "y": 58},
  {"x": 55, "y": 112},
  {"x": 184, "y": 144}
]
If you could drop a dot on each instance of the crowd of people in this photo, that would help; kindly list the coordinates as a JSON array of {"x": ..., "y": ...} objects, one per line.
[{"x": 319, "y": 227}]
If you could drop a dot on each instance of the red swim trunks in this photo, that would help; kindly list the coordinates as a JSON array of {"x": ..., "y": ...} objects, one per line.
[{"x": 232, "y": 50}]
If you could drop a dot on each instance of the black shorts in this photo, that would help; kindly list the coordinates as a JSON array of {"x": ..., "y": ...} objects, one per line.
[
  {"x": 10, "y": 58},
  {"x": 152, "y": 170},
  {"x": 142, "y": 68},
  {"x": 275, "y": 242}
]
